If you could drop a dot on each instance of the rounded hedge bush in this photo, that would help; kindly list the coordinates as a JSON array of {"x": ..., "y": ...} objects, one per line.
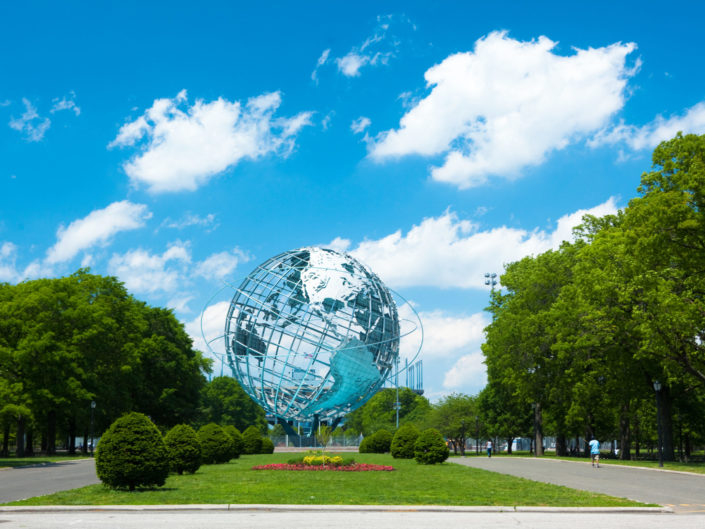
[
  {"x": 132, "y": 454},
  {"x": 430, "y": 448},
  {"x": 267, "y": 446},
  {"x": 216, "y": 445},
  {"x": 403, "y": 442},
  {"x": 236, "y": 436},
  {"x": 184, "y": 449},
  {"x": 253, "y": 440},
  {"x": 364, "y": 447},
  {"x": 380, "y": 442}
]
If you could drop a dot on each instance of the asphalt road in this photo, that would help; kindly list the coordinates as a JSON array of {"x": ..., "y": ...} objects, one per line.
[
  {"x": 683, "y": 492},
  {"x": 263, "y": 519},
  {"x": 20, "y": 483}
]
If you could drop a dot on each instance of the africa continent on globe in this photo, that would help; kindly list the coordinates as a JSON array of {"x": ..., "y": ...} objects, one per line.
[{"x": 311, "y": 332}]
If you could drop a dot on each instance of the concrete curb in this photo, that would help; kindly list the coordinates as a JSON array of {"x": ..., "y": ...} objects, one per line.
[{"x": 331, "y": 508}]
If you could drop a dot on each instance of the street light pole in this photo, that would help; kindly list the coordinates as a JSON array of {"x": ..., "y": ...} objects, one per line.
[
  {"x": 477, "y": 435},
  {"x": 92, "y": 409},
  {"x": 657, "y": 389}
]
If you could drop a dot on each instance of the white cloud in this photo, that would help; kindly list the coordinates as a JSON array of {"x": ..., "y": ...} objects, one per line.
[
  {"x": 377, "y": 49},
  {"x": 507, "y": 105},
  {"x": 468, "y": 373},
  {"x": 651, "y": 134},
  {"x": 66, "y": 103},
  {"x": 320, "y": 62},
  {"x": 97, "y": 228},
  {"x": 8, "y": 257},
  {"x": 144, "y": 272},
  {"x": 180, "y": 303},
  {"x": 213, "y": 321},
  {"x": 31, "y": 124},
  {"x": 449, "y": 252},
  {"x": 219, "y": 265},
  {"x": 190, "y": 219},
  {"x": 360, "y": 124},
  {"x": 182, "y": 147}
]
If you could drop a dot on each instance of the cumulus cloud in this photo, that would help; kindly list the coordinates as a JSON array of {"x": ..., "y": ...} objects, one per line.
[
  {"x": 181, "y": 147},
  {"x": 445, "y": 335},
  {"x": 651, "y": 134},
  {"x": 507, "y": 105},
  {"x": 359, "y": 125},
  {"x": 97, "y": 228},
  {"x": 31, "y": 124},
  {"x": 449, "y": 252},
  {"x": 468, "y": 372},
  {"x": 213, "y": 321},
  {"x": 144, "y": 272},
  {"x": 8, "y": 257},
  {"x": 219, "y": 265}
]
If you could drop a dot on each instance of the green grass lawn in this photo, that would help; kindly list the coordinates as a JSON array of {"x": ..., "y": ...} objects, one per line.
[
  {"x": 409, "y": 484},
  {"x": 6, "y": 462}
]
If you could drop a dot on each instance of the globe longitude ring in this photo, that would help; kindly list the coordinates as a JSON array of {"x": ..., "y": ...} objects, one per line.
[{"x": 313, "y": 332}]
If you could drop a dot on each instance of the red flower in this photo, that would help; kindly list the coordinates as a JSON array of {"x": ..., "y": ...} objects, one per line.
[{"x": 356, "y": 467}]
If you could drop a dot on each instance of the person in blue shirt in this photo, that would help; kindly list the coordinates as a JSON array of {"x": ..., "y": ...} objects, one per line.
[{"x": 595, "y": 452}]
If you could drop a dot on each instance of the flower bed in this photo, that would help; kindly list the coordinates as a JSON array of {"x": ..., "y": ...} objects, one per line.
[{"x": 355, "y": 467}]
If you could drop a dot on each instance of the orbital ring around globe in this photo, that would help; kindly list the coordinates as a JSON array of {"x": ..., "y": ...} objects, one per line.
[{"x": 313, "y": 333}]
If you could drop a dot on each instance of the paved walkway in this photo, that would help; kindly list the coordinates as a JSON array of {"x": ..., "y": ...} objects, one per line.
[
  {"x": 406, "y": 517},
  {"x": 684, "y": 492},
  {"x": 20, "y": 483}
]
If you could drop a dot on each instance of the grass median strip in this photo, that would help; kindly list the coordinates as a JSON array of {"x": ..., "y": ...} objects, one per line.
[
  {"x": 13, "y": 462},
  {"x": 409, "y": 484}
]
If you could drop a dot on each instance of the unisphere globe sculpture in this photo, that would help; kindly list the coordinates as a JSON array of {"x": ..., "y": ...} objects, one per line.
[{"x": 311, "y": 333}]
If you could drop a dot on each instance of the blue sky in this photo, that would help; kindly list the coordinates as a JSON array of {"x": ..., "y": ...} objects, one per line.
[{"x": 176, "y": 145}]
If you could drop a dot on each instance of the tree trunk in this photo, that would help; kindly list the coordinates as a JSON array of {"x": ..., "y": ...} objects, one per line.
[
  {"x": 20, "y": 437},
  {"x": 687, "y": 447},
  {"x": 29, "y": 448},
  {"x": 637, "y": 437},
  {"x": 51, "y": 433},
  {"x": 72, "y": 435},
  {"x": 538, "y": 424},
  {"x": 510, "y": 440},
  {"x": 625, "y": 441},
  {"x": 6, "y": 440},
  {"x": 561, "y": 445},
  {"x": 666, "y": 425}
]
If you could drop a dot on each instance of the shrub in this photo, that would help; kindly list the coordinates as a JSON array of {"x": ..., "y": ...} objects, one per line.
[
  {"x": 236, "y": 436},
  {"x": 380, "y": 442},
  {"x": 267, "y": 446},
  {"x": 364, "y": 447},
  {"x": 430, "y": 448},
  {"x": 216, "y": 445},
  {"x": 184, "y": 449},
  {"x": 132, "y": 454},
  {"x": 403, "y": 442},
  {"x": 252, "y": 438}
]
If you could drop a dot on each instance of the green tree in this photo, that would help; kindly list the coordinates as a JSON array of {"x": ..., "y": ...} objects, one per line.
[
  {"x": 225, "y": 402},
  {"x": 379, "y": 413},
  {"x": 454, "y": 416}
]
